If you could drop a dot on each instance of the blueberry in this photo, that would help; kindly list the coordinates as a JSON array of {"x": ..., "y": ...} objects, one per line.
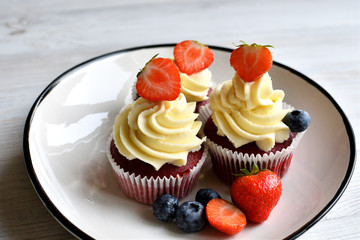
[
  {"x": 297, "y": 120},
  {"x": 191, "y": 217},
  {"x": 204, "y": 195},
  {"x": 164, "y": 208}
]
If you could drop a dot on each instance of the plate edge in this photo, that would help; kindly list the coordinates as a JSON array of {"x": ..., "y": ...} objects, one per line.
[{"x": 80, "y": 234}]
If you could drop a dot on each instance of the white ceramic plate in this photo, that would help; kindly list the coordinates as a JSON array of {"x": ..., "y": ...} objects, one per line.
[{"x": 67, "y": 128}]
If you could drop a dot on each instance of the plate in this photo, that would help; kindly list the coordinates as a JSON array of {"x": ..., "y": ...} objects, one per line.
[{"x": 64, "y": 148}]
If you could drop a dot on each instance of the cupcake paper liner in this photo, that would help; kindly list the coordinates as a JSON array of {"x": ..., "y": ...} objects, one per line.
[
  {"x": 146, "y": 190},
  {"x": 226, "y": 162}
]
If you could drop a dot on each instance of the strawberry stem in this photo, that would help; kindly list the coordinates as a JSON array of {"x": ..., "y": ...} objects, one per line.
[
  {"x": 141, "y": 69},
  {"x": 254, "y": 44},
  {"x": 245, "y": 172},
  {"x": 199, "y": 43}
]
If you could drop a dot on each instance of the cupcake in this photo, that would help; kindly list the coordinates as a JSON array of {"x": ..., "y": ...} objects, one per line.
[
  {"x": 193, "y": 60},
  {"x": 154, "y": 147},
  {"x": 244, "y": 118}
]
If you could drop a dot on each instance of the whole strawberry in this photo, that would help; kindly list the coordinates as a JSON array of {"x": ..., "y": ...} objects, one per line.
[
  {"x": 251, "y": 61},
  {"x": 256, "y": 193}
]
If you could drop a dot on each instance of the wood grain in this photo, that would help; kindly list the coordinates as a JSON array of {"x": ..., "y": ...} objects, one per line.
[{"x": 41, "y": 39}]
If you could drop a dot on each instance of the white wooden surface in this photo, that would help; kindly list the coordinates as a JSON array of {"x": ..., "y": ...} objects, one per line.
[{"x": 41, "y": 39}]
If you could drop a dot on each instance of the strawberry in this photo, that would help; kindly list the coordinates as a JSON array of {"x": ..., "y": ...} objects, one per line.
[
  {"x": 256, "y": 193},
  {"x": 192, "y": 56},
  {"x": 224, "y": 216},
  {"x": 251, "y": 61},
  {"x": 159, "y": 80}
]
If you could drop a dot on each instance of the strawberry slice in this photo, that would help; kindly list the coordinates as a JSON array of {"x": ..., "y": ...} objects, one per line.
[
  {"x": 251, "y": 61},
  {"x": 192, "y": 56},
  {"x": 224, "y": 216},
  {"x": 159, "y": 80}
]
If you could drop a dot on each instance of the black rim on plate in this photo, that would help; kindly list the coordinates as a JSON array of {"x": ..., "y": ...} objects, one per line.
[{"x": 81, "y": 234}]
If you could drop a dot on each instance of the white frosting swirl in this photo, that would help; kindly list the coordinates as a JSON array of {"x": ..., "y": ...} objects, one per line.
[
  {"x": 158, "y": 132},
  {"x": 195, "y": 87},
  {"x": 249, "y": 111}
]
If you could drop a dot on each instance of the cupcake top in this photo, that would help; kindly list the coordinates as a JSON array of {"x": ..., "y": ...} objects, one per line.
[
  {"x": 249, "y": 111},
  {"x": 159, "y": 127},
  {"x": 158, "y": 132},
  {"x": 246, "y": 108},
  {"x": 193, "y": 59}
]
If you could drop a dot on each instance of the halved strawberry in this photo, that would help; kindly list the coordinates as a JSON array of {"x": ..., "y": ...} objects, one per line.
[
  {"x": 251, "y": 61},
  {"x": 224, "y": 216},
  {"x": 192, "y": 56},
  {"x": 159, "y": 80}
]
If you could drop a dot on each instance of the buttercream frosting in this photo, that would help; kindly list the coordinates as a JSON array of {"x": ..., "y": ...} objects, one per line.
[
  {"x": 158, "y": 132},
  {"x": 249, "y": 111},
  {"x": 195, "y": 87}
]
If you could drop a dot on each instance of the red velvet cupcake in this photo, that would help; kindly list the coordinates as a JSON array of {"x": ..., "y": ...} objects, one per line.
[
  {"x": 155, "y": 148},
  {"x": 243, "y": 121},
  {"x": 228, "y": 160}
]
